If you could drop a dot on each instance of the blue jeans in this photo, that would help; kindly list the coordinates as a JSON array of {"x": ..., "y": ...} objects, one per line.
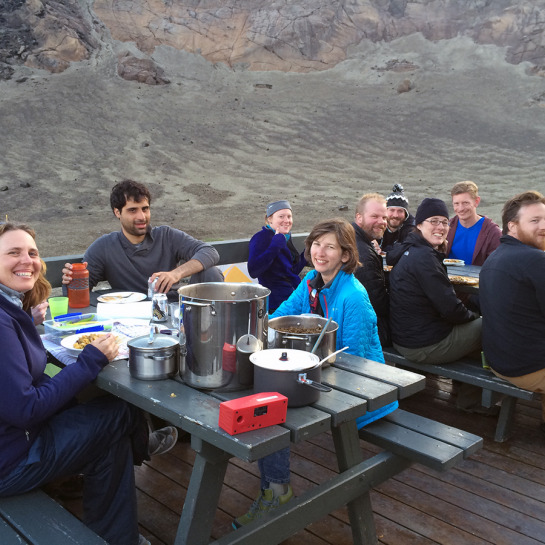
[
  {"x": 275, "y": 468},
  {"x": 94, "y": 439}
]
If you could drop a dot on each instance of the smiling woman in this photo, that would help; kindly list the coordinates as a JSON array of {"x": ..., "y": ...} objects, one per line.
[
  {"x": 429, "y": 323},
  {"x": 38, "y": 439}
]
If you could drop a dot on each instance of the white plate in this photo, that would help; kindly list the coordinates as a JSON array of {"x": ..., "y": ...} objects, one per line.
[
  {"x": 68, "y": 343},
  {"x": 122, "y": 297},
  {"x": 454, "y": 262}
]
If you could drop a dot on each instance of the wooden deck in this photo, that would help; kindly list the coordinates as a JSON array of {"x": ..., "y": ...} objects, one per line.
[{"x": 496, "y": 497}]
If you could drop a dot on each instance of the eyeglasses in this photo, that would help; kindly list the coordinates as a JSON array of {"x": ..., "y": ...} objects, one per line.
[{"x": 435, "y": 223}]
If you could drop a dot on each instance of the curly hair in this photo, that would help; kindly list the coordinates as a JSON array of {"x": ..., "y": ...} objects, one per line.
[
  {"x": 346, "y": 238},
  {"x": 128, "y": 189},
  {"x": 42, "y": 288}
]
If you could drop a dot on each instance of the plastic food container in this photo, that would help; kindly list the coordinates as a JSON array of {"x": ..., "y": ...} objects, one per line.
[{"x": 71, "y": 324}]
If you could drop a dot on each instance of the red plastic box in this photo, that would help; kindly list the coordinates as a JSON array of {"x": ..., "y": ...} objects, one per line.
[{"x": 253, "y": 412}]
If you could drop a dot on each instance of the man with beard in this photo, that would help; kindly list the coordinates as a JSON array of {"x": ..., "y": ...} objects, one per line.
[
  {"x": 512, "y": 293},
  {"x": 400, "y": 222},
  {"x": 126, "y": 259},
  {"x": 369, "y": 225}
]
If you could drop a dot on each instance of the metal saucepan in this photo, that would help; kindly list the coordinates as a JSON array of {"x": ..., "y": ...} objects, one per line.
[
  {"x": 279, "y": 338},
  {"x": 293, "y": 373},
  {"x": 153, "y": 361}
]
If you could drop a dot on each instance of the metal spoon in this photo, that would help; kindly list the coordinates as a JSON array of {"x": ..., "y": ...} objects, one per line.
[
  {"x": 321, "y": 336},
  {"x": 333, "y": 354}
]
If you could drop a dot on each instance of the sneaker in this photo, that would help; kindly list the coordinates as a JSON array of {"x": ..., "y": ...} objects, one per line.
[
  {"x": 161, "y": 441},
  {"x": 142, "y": 540},
  {"x": 262, "y": 505}
]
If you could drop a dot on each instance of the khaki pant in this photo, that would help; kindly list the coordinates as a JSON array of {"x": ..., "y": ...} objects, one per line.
[
  {"x": 461, "y": 341},
  {"x": 535, "y": 382}
]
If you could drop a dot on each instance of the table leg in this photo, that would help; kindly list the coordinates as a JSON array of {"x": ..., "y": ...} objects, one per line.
[
  {"x": 202, "y": 494},
  {"x": 348, "y": 451}
]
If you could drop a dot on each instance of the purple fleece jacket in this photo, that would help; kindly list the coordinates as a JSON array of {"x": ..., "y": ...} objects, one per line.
[
  {"x": 28, "y": 397},
  {"x": 487, "y": 241}
]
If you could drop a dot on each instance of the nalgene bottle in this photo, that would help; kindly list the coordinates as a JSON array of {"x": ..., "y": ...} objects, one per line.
[{"x": 78, "y": 288}]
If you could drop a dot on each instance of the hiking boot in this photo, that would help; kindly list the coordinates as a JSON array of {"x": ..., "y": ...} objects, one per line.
[
  {"x": 161, "y": 441},
  {"x": 262, "y": 505}
]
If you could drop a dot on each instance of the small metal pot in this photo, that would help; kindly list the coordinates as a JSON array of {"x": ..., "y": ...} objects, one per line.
[
  {"x": 303, "y": 341},
  {"x": 155, "y": 361},
  {"x": 293, "y": 373}
]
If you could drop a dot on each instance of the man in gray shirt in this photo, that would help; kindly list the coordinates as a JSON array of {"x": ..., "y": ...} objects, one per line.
[{"x": 126, "y": 259}]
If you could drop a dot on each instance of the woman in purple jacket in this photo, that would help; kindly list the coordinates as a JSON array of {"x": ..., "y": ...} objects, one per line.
[
  {"x": 273, "y": 259},
  {"x": 44, "y": 433}
]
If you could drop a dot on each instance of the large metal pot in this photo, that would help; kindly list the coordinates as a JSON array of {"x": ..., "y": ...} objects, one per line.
[
  {"x": 279, "y": 338},
  {"x": 293, "y": 373},
  {"x": 153, "y": 361},
  {"x": 215, "y": 316}
]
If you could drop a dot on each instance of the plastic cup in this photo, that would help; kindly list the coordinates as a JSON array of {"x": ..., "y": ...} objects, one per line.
[
  {"x": 174, "y": 309},
  {"x": 58, "y": 306}
]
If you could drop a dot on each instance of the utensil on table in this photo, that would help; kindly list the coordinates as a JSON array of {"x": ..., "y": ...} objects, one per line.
[{"x": 333, "y": 354}]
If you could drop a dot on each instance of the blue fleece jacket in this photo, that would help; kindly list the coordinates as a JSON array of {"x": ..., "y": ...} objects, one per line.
[
  {"x": 347, "y": 302},
  {"x": 271, "y": 262},
  {"x": 28, "y": 397}
]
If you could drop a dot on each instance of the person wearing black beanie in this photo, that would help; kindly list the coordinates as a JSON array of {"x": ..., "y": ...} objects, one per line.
[{"x": 429, "y": 324}]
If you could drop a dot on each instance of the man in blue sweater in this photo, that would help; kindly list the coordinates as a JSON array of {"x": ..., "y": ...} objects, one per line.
[{"x": 512, "y": 294}]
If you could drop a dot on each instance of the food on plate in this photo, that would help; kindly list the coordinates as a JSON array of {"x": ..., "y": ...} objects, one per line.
[
  {"x": 388, "y": 268},
  {"x": 453, "y": 261},
  {"x": 84, "y": 340},
  {"x": 468, "y": 280}
]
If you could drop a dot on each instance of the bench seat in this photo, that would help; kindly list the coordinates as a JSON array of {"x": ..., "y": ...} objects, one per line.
[
  {"x": 37, "y": 519},
  {"x": 421, "y": 440},
  {"x": 471, "y": 371}
]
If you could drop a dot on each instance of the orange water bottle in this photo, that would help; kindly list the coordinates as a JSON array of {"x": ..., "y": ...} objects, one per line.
[{"x": 78, "y": 289}]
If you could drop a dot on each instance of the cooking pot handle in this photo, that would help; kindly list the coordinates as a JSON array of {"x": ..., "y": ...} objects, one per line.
[
  {"x": 302, "y": 379},
  {"x": 161, "y": 358},
  {"x": 186, "y": 302},
  {"x": 294, "y": 338}
]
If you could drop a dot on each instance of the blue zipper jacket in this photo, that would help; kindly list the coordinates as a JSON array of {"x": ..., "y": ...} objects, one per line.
[
  {"x": 347, "y": 302},
  {"x": 28, "y": 397}
]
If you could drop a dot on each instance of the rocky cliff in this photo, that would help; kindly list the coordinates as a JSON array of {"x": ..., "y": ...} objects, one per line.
[{"x": 286, "y": 35}]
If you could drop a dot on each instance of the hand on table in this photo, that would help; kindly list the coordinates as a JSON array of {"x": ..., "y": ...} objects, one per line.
[{"x": 107, "y": 344}]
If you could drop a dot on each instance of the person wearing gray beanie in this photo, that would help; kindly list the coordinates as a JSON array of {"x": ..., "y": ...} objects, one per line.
[{"x": 272, "y": 257}]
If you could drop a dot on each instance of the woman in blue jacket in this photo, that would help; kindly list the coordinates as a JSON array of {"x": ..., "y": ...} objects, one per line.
[
  {"x": 332, "y": 291},
  {"x": 44, "y": 434},
  {"x": 273, "y": 259}
]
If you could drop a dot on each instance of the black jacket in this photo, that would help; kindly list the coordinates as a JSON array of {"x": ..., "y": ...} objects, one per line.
[
  {"x": 389, "y": 238},
  {"x": 423, "y": 305},
  {"x": 371, "y": 275},
  {"x": 512, "y": 294}
]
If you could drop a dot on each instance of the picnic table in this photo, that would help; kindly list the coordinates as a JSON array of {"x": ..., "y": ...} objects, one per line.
[{"x": 358, "y": 385}]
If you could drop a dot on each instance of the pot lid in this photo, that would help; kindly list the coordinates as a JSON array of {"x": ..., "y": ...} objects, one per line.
[
  {"x": 159, "y": 341},
  {"x": 284, "y": 359}
]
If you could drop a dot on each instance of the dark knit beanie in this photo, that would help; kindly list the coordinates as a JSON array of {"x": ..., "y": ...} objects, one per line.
[
  {"x": 397, "y": 198},
  {"x": 429, "y": 208}
]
